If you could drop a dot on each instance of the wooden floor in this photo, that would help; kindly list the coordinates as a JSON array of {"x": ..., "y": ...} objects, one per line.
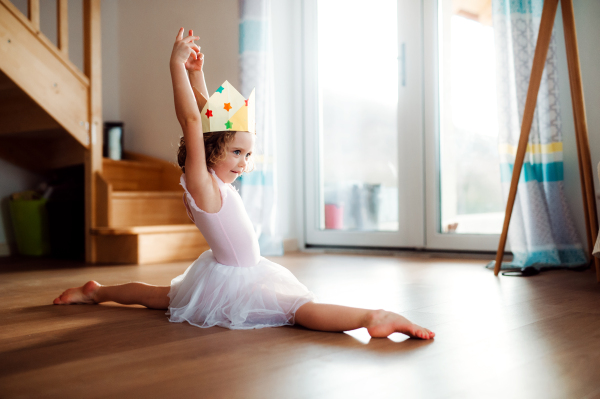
[{"x": 507, "y": 337}]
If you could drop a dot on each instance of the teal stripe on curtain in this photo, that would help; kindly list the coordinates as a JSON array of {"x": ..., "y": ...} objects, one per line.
[
  {"x": 557, "y": 257},
  {"x": 508, "y": 7},
  {"x": 252, "y": 34},
  {"x": 542, "y": 172}
]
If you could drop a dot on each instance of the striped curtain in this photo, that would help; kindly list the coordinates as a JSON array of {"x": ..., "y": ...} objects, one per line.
[
  {"x": 258, "y": 188},
  {"x": 542, "y": 233}
]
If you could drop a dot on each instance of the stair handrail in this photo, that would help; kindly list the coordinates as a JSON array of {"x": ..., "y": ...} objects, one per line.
[{"x": 32, "y": 22}]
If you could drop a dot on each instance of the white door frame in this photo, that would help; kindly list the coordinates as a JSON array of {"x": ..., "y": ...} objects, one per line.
[{"x": 411, "y": 215}]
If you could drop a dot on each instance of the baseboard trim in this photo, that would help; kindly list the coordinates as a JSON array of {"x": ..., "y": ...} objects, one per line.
[
  {"x": 4, "y": 249},
  {"x": 290, "y": 245}
]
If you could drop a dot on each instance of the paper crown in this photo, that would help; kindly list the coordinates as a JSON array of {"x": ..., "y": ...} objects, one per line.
[{"x": 227, "y": 109}]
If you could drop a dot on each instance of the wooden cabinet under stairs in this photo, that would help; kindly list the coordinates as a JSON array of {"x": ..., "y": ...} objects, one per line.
[{"x": 142, "y": 218}]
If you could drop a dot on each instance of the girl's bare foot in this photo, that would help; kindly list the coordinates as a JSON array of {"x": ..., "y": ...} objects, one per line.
[
  {"x": 380, "y": 323},
  {"x": 83, "y": 294}
]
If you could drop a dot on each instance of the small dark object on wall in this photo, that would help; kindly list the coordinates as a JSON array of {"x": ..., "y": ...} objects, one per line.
[{"x": 112, "y": 146}]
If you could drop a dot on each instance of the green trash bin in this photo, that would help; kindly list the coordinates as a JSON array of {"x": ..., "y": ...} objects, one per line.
[{"x": 30, "y": 223}]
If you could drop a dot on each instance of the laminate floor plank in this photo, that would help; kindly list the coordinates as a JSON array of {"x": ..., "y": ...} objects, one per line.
[{"x": 496, "y": 337}]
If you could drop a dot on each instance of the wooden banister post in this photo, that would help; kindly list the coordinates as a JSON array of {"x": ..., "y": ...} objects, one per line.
[
  {"x": 62, "y": 16},
  {"x": 93, "y": 160},
  {"x": 33, "y": 13}
]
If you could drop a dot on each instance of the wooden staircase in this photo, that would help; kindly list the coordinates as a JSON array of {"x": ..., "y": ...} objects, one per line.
[
  {"x": 142, "y": 218},
  {"x": 51, "y": 117}
]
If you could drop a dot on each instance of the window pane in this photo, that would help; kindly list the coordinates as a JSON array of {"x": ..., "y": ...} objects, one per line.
[
  {"x": 470, "y": 173},
  {"x": 358, "y": 89}
]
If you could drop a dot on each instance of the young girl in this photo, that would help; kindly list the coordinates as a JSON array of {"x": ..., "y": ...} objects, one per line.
[{"x": 230, "y": 285}]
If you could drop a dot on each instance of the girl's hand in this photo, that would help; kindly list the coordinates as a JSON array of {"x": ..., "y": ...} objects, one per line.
[
  {"x": 184, "y": 48},
  {"x": 195, "y": 61}
]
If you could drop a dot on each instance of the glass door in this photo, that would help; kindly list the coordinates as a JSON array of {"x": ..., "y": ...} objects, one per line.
[
  {"x": 465, "y": 210},
  {"x": 363, "y": 105}
]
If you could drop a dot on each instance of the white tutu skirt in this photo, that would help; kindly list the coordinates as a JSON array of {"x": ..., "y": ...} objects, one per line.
[{"x": 212, "y": 294}]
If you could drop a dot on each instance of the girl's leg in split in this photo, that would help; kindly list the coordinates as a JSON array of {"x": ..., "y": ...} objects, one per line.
[
  {"x": 151, "y": 296},
  {"x": 379, "y": 323}
]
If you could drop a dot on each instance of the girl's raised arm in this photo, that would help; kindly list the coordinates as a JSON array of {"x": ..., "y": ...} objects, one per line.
[
  {"x": 197, "y": 176},
  {"x": 194, "y": 65}
]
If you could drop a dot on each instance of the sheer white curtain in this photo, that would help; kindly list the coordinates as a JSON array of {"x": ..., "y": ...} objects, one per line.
[{"x": 258, "y": 188}]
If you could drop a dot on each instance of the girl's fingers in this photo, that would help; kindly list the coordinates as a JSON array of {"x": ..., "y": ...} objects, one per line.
[
  {"x": 190, "y": 39},
  {"x": 179, "y": 34},
  {"x": 191, "y": 33},
  {"x": 193, "y": 47},
  {"x": 193, "y": 55},
  {"x": 192, "y": 52}
]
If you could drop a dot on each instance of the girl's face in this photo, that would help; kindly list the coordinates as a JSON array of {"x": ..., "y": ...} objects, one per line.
[{"x": 238, "y": 154}]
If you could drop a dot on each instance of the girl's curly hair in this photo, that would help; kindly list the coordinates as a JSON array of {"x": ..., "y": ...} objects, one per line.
[{"x": 215, "y": 148}]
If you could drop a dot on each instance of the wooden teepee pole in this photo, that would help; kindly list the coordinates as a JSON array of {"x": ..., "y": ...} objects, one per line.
[{"x": 539, "y": 60}]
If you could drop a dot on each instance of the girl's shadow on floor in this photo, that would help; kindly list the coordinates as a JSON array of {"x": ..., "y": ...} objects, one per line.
[
  {"x": 64, "y": 334},
  {"x": 84, "y": 332}
]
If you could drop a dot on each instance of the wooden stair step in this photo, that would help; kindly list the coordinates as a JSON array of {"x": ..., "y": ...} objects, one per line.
[
  {"x": 168, "y": 228},
  {"x": 149, "y": 244},
  {"x": 140, "y": 173},
  {"x": 142, "y": 213},
  {"x": 132, "y": 175},
  {"x": 131, "y": 163},
  {"x": 146, "y": 208},
  {"x": 146, "y": 194}
]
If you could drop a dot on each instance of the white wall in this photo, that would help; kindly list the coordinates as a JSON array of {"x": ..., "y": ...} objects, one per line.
[
  {"x": 111, "y": 77},
  {"x": 587, "y": 18},
  {"x": 147, "y": 30}
]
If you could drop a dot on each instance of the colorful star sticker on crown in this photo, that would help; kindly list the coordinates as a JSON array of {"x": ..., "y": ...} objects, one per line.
[
  {"x": 208, "y": 113},
  {"x": 220, "y": 89},
  {"x": 227, "y": 106},
  {"x": 228, "y": 124},
  {"x": 246, "y": 101}
]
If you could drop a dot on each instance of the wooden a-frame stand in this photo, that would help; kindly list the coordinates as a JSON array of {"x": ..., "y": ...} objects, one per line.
[{"x": 581, "y": 134}]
